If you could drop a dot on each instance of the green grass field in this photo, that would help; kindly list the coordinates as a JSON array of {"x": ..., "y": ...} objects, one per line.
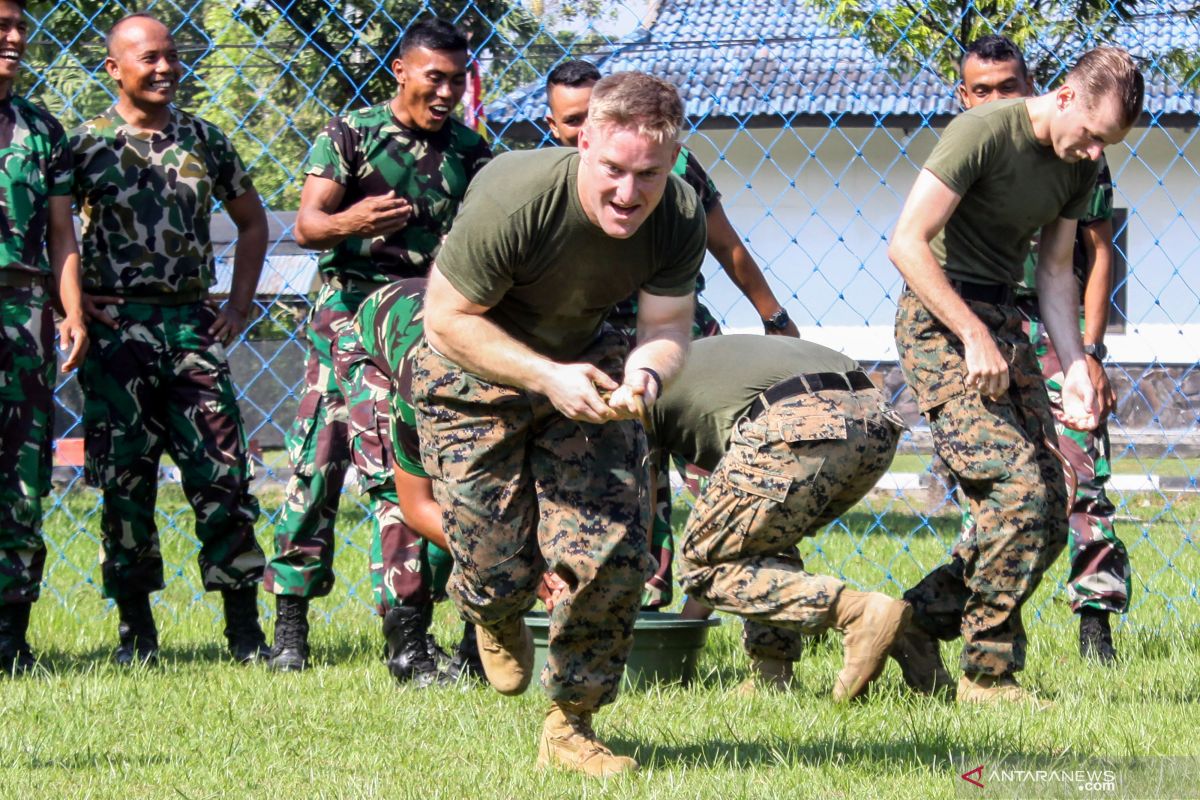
[{"x": 198, "y": 726}]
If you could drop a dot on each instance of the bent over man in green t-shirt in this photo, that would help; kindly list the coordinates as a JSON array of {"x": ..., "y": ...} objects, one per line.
[
  {"x": 794, "y": 435},
  {"x": 999, "y": 174},
  {"x": 536, "y": 466}
]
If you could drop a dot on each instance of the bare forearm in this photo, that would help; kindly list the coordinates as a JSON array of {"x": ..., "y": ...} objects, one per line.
[
  {"x": 248, "y": 256},
  {"x": 664, "y": 352},
  {"x": 482, "y": 347},
  {"x": 317, "y": 230},
  {"x": 1058, "y": 302},
  {"x": 68, "y": 278},
  {"x": 1097, "y": 293},
  {"x": 731, "y": 253},
  {"x": 421, "y": 512}
]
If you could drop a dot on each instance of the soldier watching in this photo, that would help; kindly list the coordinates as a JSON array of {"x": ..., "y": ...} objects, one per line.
[
  {"x": 999, "y": 173},
  {"x": 156, "y": 378},
  {"x": 35, "y": 215},
  {"x": 383, "y": 186}
]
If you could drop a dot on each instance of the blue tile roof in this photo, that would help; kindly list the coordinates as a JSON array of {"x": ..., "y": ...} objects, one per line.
[{"x": 738, "y": 59}]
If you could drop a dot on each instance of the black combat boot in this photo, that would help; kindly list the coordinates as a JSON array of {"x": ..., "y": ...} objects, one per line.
[
  {"x": 137, "y": 633},
  {"x": 407, "y": 654},
  {"x": 15, "y": 656},
  {"x": 466, "y": 663},
  {"x": 242, "y": 631},
  {"x": 291, "y": 634},
  {"x": 440, "y": 657},
  {"x": 1095, "y": 636}
]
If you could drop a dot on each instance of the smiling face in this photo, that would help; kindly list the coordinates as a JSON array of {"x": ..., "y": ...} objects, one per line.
[
  {"x": 144, "y": 62},
  {"x": 568, "y": 111},
  {"x": 1080, "y": 129},
  {"x": 622, "y": 176},
  {"x": 13, "y": 31},
  {"x": 431, "y": 83},
  {"x": 985, "y": 81}
]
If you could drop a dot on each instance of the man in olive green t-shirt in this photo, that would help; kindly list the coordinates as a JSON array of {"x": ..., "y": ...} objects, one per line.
[
  {"x": 526, "y": 399},
  {"x": 794, "y": 435},
  {"x": 999, "y": 174}
]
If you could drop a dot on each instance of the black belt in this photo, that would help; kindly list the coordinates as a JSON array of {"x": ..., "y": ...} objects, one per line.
[
  {"x": 811, "y": 383},
  {"x": 183, "y": 298},
  {"x": 996, "y": 294},
  {"x": 13, "y": 279}
]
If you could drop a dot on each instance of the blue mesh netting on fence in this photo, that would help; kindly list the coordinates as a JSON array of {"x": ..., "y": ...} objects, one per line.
[{"x": 812, "y": 117}]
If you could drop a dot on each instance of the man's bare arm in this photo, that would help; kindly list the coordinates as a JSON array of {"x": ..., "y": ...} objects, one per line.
[
  {"x": 63, "y": 252},
  {"x": 320, "y": 226},
  {"x": 421, "y": 511},
  {"x": 1058, "y": 302},
  {"x": 926, "y": 212},
  {"x": 729, "y": 251},
  {"x": 246, "y": 211},
  {"x": 1097, "y": 297},
  {"x": 664, "y": 335},
  {"x": 458, "y": 329}
]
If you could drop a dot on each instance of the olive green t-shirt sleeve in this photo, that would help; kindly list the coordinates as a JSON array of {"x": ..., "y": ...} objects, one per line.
[
  {"x": 962, "y": 155},
  {"x": 482, "y": 251},
  {"x": 688, "y": 239}
]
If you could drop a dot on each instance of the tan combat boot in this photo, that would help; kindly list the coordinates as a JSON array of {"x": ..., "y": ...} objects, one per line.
[
  {"x": 767, "y": 673},
  {"x": 506, "y": 653},
  {"x": 869, "y": 623},
  {"x": 920, "y": 663},
  {"x": 988, "y": 689},
  {"x": 568, "y": 741}
]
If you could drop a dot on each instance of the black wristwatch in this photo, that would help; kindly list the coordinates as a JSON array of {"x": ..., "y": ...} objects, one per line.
[
  {"x": 777, "y": 321},
  {"x": 1097, "y": 351}
]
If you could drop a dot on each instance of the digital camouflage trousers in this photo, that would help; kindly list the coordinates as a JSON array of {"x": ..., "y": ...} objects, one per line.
[
  {"x": 161, "y": 383},
  {"x": 996, "y": 450},
  {"x": 795, "y": 468},
  {"x": 523, "y": 489}
]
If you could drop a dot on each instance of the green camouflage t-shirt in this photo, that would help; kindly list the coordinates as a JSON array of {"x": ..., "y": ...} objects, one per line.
[
  {"x": 35, "y": 164},
  {"x": 370, "y": 152},
  {"x": 523, "y": 247},
  {"x": 1011, "y": 186},
  {"x": 722, "y": 377},
  {"x": 389, "y": 323},
  {"x": 146, "y": 199}
]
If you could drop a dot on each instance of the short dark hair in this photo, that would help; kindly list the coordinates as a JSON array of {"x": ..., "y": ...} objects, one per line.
[
  {"x": 433, "y": 34},
  {"x": 994, "y": 48},
  {"x": 573, "y": 73}
]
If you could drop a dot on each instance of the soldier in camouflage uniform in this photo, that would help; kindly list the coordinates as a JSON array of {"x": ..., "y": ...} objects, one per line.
[
  {"x": 794, "y": 435},
  {"x": 39, "y": 268},
  {"x": 568, "y": 90},
  {"x": 1099, "y": 582},
  {"x": 383, "y": 186},
  {"x": 999, "y": 173},
  {"x": 409, "y": 560},
  {"x": 156, "y": 378},
  {"x": 533, "y": 469}
]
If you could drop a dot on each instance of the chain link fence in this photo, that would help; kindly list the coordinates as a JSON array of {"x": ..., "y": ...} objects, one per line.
[{"x": 813, "y": 118}]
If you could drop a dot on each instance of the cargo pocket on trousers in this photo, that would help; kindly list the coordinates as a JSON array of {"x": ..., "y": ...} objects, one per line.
[
  {"x": 299, "y": 440},
  {"x": 976, "y": 444},
  {"x": 732, "y": 511}
]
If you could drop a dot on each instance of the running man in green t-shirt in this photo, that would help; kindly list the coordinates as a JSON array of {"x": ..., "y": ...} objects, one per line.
[
  {"x": 999, "y": 174},
  {"x": 794, "y": 435},
  {"x": 1099, "y": 581},
  {"x": 527, "y": 400},
  {"x": 568, "y": 91}
]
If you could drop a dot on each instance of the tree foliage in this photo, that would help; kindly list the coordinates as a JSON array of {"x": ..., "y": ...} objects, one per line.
[{"x": 916, "y": 35}]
